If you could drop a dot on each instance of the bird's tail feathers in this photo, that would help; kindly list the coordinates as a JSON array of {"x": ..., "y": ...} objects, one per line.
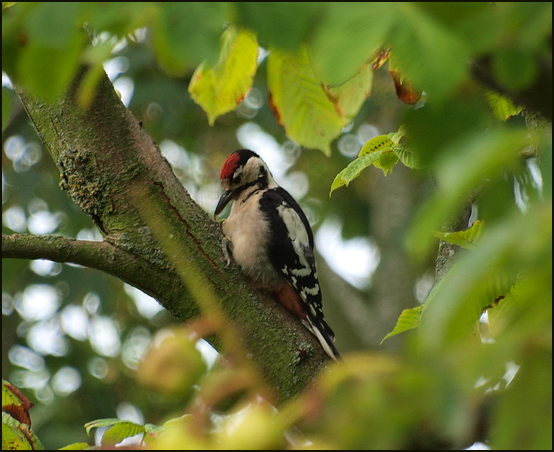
[{"x": 326, "y": 340}]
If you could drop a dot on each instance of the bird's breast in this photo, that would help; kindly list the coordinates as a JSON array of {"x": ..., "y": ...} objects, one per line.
[{"x": 248, "y": 231}]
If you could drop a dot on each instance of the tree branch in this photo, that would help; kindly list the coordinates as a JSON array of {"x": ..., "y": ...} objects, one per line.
[
  {"x": 101, "y": 256},
  {"x": 111, "y": 168},
  {"x": 447, "y": 251},
  {"x": 59, "y": 248}
]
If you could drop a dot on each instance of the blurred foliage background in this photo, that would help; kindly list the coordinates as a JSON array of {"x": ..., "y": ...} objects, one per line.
[{"x": 74, "y": 338}]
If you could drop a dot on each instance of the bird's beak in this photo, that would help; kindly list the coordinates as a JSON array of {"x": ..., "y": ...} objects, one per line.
[{"x": 223, "y": 201}]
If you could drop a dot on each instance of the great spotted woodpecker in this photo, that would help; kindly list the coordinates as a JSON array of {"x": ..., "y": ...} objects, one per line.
[{"x": 272, "y": 242}]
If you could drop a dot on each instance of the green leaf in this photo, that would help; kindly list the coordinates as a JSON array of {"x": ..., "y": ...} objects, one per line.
[
  {"x": 98, "y": 423},
  {"x": 177, "y": 41},
  {"x": 404, "y": 153},
  {"x": 349, "y": 34},
  {"x": 380, "y": 151},
  {"x": 53, "y": 24},
  {"x": 432, "y": 128},
  {"x": 477, "y": 281},
  {"x": 397, "y": 136},
  {"x": 220, "y": 88},
  {"x": 120, "y": 19},
  {"x": 121, "y": 431},
  {"x": 118, "y": 429},
  {"x": 353, "y": 170},
  {"x": 46, "y": 72},
  {"x": 408, "y": 319},
  {"x": 515, "y": 69},
  {"x": 480, "y": 155},
  {"x": 465, "y": 239},
  {"x": 300, "y": 103},
  {"x": 95, "y": 57},
  {"x": 280, "y": 25},
  {"x": 522, "y": 419},
  {"x": 426, "y": 52},
  {"x": 45, "y": 57},
  {"x": 407, "y": 157},
  {"x": 387, "y": 161},
  {"x": 151, "y": 432},
  {"x": 444, "y": 319},
  {"x": 384, "y": 144},
  {"x": 76, "y": 446},
  {"x": 350, "y": 96},
  {"x": 527, "y": 308}
]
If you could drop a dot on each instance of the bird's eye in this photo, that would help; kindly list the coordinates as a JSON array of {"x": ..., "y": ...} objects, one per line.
[{"x": 237, "y": 179}]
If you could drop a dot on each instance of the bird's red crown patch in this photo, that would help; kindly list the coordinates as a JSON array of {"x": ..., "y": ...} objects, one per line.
[{"x": 229, "y": 166}]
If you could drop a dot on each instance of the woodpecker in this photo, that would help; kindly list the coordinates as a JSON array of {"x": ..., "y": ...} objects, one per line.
[{"x": 271, "y": 240}]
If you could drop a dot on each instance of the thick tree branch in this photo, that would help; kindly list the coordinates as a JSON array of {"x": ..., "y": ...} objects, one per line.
[
  {"x": 102, "y": 256},
  {"x": 59, "y": 248},
  {"x": 111, "y": 168}
]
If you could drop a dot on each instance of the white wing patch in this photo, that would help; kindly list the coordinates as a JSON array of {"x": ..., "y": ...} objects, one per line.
[{"x": 298, "y": 235}]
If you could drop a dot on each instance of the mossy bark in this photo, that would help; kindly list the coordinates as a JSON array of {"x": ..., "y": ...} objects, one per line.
[{"x": 156, "y": 237}]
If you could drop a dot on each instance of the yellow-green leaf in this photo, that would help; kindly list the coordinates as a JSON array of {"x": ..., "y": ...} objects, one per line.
[
  {"x": 398, "y": 135},
  {"x": 385, "y": 145},
  {"x": 76, "y": 446},
  {"x": 465, "y": 239},
  {"x": 407, "y": 157},
  {"x": 353, "y": 170},
  {"x": 120, "y": 431},
  {"x": 221, "y": 88},
  {"x": 408, "y": 319},
  {"x": 380, "y": 151},
  {"x": 18, "y": 435},
  {"x": 350, "y": 96},
  {"x": 378, "y": 143},
  {"x": 98, "y": 423},
  {"x": 386, "y": 162},
  {"x": 502, "y": 107},
  {"x": 300, "y": 102}
]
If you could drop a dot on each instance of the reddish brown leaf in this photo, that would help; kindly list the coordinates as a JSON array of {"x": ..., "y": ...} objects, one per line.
[
  {"x": 404, "y": 89},
  {"x": 20, "y": 411}
]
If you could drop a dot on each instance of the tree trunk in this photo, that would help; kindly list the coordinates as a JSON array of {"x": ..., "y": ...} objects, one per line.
[{"x": 157, "y": 238}]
